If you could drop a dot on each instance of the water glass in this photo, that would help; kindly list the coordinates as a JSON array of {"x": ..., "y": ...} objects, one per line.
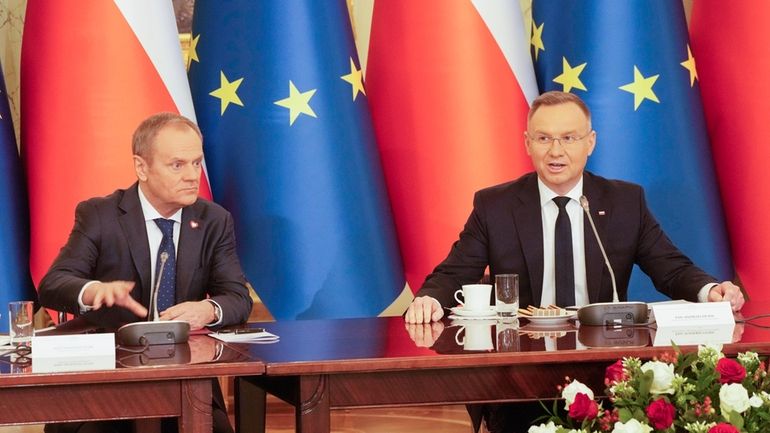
[
  {"x": 507, "y": 295},
  {"x": 20, "y": 322}
]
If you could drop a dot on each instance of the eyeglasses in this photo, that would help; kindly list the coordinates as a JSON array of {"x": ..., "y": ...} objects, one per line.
[{"x": 547, "y": 141}]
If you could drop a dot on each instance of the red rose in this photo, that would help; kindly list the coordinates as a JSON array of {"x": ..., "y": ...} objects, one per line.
[
  {"x": 661, "y": 414},
  {"x": 730, "y": 371},
  {"x": 615, "y": 373},
  {"x": 583, "y": 408},
  {"x": 723, "y": 427}
]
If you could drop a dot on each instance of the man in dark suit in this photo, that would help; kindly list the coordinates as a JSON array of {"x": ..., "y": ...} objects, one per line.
[
  {"x": 511, "y": 227},
  {"x": 515, "y": 228},
  {"x": 121, "y": 242}
]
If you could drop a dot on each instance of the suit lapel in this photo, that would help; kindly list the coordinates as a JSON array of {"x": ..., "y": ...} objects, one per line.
[
  {"x": 188, "y": 251},
  {"x": 529, "y": 223},
  {"x": 595, "y": 267},
  {"x": 135, "y": 230}
]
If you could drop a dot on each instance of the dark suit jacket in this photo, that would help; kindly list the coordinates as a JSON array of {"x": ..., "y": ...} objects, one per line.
[
  {"x": 505, "y": 232},
  {"x": 109, "y": 242}
]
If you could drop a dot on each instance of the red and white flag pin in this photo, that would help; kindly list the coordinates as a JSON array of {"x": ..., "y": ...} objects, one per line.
[
  {"x": 194, "y": 224},
  {"x": 601, "y": 212}
]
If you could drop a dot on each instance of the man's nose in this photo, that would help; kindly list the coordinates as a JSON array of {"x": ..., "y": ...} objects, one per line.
[{"x": 191, "y": 172}]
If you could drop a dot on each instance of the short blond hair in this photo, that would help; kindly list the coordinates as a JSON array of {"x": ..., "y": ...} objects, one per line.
[{"x": 144, "y": 136}]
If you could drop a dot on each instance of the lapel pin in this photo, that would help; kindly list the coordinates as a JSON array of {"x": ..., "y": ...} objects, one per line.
[
  {"x": 602, "y": 213},
  {"x": 193, "y": 224}
]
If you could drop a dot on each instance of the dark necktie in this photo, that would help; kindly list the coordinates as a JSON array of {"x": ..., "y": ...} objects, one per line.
[
  {"x": 565, "y": 274},
  {"x": 167, "y": 287}
]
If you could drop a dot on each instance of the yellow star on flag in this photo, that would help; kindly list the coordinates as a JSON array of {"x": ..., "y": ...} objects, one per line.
[
  {"x": 570, "y": 77},
  {"x": 297, "y": 103},
  {"x": 641, "y": 88},
  {"x": 227, "y": 92},
  {"x": 689, "y": 64},
  {"x": 356, "y": 79},
  {"x": 537, "y": 38},
  {"x": 193, "y": 51}
]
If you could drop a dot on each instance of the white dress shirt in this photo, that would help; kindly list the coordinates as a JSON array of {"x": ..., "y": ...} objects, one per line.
[{"x": 549, "y": 212}]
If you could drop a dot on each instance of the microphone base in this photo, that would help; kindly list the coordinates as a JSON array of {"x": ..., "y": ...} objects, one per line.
[
  {"x": 613, "y": 313},
  {"x": 152, "y": 333}
]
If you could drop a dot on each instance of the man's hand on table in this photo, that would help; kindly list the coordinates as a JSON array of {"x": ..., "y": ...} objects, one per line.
[
  {"x": 727, "y": 291},
  {"x": 424, "y": 309}
]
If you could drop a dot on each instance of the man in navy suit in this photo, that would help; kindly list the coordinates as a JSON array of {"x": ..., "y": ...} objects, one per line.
[
  {"x": 106, "y": 270},
  {"x": 511, "y": 228}
]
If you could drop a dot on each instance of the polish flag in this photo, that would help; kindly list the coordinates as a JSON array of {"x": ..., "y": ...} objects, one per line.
[
  {"x": 729, "y": 43},
  {"x": 449, "y": 85},
  {"x": 90, "y": 73}
]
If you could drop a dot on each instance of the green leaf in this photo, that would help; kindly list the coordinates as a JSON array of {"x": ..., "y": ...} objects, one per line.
[
  {"x": 645, "y": 383},
  {"x": 736, "y": 419},
  {"x": 624, "y": 415}
]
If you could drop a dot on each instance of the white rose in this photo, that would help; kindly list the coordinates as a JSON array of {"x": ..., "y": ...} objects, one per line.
[
  {"x": 663, "y": 374},
  {"x": 756, "y": 401},
  {"x": 632, "y": 426},
  {"x": 733, "y": 398},
  {"x": 543, "y": 428},
  {"x": 570, "y": 391}
]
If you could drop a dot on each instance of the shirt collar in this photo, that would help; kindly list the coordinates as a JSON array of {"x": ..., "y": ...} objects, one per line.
[
  {"x": 547, "y": 195},
  {"x": 149, "y": 211}
]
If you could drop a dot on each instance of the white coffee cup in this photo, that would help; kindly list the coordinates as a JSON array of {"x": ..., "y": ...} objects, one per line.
[
  {"x": 476, "y": 297},
  {"x": 478, "y": 336}
]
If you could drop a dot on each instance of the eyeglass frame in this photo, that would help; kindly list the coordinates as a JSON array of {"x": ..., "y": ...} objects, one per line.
[{"x": 561, "y": 141}]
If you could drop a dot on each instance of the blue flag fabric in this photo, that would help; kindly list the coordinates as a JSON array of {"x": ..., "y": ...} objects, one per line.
[
  {"x": 630, "y": 61},
  {"x": 290, "y": 151},
  {"x": 15, "y": 280}
]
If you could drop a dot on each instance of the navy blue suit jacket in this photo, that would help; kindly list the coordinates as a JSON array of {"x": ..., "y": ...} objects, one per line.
[
  {"x": 504, "y": 232},
  {"x": 109, "y": 242}
]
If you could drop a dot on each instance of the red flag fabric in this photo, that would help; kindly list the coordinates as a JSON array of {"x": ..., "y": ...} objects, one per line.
[
  {"x": 89, "y": 75},
  {"x": 729, "y": 43},
  {"x": 448, "y": 85}
]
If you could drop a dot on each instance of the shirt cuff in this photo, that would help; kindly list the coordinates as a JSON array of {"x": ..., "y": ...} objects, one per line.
[
  {"x": 218, "y": 313},
  {"x": 703, "y": 295},
  {"x": 83, "y": 307}
]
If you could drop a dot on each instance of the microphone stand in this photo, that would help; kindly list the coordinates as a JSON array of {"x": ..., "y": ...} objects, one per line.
[
  {"x": 584, "y": 205},
  {"x": 152, "y": 315}
]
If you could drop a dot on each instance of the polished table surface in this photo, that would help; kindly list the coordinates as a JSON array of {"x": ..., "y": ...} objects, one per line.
[
  {"x": 166, "y": 381},
  {"x": 319, "y": 365}
]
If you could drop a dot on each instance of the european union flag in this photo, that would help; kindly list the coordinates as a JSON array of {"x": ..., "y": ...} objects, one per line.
[
  {"x": 632, "y": 64},
  {"x": 279, "y": 96},
  {"x": 15, "y": 280}
]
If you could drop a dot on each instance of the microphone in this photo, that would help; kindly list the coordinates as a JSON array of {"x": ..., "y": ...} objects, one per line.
[
  {"x": 153, "y": 313},
  {"x": 586, "y": 209},
  {"x": 615, "y": 312},
  {"x": 153, "y": 331}
]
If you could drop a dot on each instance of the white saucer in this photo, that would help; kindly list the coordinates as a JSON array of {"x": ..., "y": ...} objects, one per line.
[
  {"x": 462, "y": 312},
  {"x": 542, "y": 321},
  {"x": 464, "y": 321}
]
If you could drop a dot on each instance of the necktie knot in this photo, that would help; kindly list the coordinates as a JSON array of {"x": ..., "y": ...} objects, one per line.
[
  {"x": 166, "y": 226},
  {"x": 561, "y": 201}
]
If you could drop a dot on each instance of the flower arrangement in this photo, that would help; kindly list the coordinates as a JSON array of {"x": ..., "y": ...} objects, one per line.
[{"x": 702, "y": 392}]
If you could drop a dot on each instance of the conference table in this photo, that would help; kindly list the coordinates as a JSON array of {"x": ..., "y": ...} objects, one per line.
[
  {"x": 321, "y": 365},
  {"x": 165, "y": 381}
]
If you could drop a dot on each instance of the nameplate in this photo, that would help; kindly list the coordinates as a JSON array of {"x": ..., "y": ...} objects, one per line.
[
  {"x": 693, "y": 314},
  {"x": 73, "y": 352}
]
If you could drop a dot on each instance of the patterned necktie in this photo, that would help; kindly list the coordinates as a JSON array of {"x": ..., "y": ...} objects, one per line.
[
  {"x": 565, "y": 273},
  {"x": 167, "y": 287}
]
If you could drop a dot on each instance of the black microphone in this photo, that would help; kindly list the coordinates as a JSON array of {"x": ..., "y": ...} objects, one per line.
[
  {"x": 153, "y": 310},
  {"x": 586, "y": 209},
  {"x": 609, "y": 313},
  {"x": 153, "y": 331}
]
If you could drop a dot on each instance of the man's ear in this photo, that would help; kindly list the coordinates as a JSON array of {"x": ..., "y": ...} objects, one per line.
[{"x": 140, "y": 165}]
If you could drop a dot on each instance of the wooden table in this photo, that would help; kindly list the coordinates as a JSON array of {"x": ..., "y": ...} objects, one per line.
[
  {"x": 329, "y": 364},
  {"x": 178, "y": 385}
]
